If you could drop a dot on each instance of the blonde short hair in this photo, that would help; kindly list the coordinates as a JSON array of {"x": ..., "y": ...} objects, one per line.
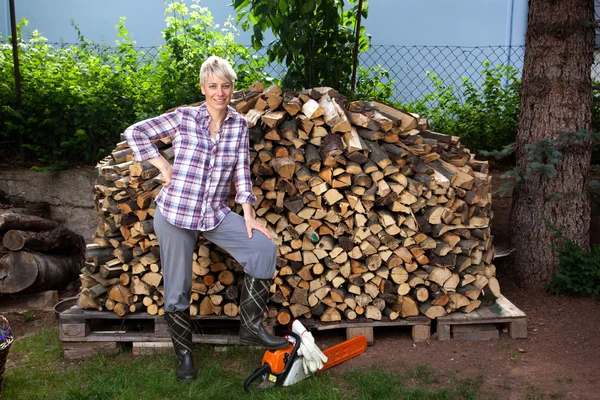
[{"x": 218, "y": 66}]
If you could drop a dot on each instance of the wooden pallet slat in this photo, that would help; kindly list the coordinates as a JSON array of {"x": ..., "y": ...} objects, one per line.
[
  {"x": 420, "y": 327},
  {"x": 473, "y": 324},
  {"x": 503, "y": 308},
  {"x": 486, "y": 314}
]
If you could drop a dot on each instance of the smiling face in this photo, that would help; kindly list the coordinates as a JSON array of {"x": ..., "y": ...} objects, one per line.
[{"x": 218, "y": 93}]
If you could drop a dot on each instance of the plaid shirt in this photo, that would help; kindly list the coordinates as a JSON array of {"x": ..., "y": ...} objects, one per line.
[{"x": 203, "y": 168}]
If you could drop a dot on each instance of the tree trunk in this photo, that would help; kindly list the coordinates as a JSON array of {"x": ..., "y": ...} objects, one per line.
[{"x": 556, "y": 98}]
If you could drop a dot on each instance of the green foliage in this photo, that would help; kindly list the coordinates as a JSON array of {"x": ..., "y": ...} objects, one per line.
[
  {"x": 373, "y": 83},
  {"x": 76, "y": 99},
  {"x": 27, "y": 316},
  {"x": 191, "y": 37},
  {"x": 67, "y": 98},
  {"x": 484, "y": 118},
  {"x": 314, "y": 38},
  {"x": 578, "y": 273}
]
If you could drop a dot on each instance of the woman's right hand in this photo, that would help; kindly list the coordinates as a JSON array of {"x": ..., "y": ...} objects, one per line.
[
  {"x": 166, "y": 172},
  {"x": 166, "y": 169}
]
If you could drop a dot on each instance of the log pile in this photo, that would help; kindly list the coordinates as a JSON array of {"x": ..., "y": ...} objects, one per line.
[
  {"x": 37, "y": 254},
  {"x": 374, "y": 216}
]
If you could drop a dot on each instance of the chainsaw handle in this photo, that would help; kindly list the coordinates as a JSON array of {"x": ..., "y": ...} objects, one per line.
[
  {"x": 288, "y": 365},
  {"x": 260, "y": 371},
  {"x": 265, "y": 369}
]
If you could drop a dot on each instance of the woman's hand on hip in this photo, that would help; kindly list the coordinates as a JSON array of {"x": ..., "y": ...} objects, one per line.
[
  {"x": 251, "y": 224},
  {"x": 166, "y": 169},
  {"x": 166, "y": 174}
]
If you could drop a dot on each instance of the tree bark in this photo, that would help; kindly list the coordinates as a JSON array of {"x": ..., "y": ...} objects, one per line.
[
  {"x": 25, "y": 272},
  {"x": 10, "y": 221},
  {"x": 556, "y": 98},
  {"x": 59, "y": 240}
]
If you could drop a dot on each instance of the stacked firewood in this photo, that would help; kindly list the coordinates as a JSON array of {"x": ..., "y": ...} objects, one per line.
[
  {"x": 37, "y": 254},
  {"x": 374, "y": 216}
]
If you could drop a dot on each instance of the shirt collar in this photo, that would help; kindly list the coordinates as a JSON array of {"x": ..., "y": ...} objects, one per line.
[{"x": 203, "y": 112}]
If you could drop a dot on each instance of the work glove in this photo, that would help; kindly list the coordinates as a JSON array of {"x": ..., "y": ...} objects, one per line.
[{"x": 312, "y": 357}]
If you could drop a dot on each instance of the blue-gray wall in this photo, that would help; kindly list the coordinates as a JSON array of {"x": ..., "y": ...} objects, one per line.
[{"x": 390, "y": 22}]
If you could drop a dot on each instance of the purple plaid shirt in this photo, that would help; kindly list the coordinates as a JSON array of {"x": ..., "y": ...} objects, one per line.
[{"x": 203, "y": 169}]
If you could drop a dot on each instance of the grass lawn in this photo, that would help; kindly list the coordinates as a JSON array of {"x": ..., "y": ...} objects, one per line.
[{"x": 41, "y": 373}]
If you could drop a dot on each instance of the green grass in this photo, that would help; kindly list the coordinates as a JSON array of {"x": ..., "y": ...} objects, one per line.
[{"x": 42, "y": 373}]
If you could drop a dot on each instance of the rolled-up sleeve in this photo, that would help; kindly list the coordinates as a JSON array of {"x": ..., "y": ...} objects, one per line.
[
  {"x": 140, "y": 135},
  {"x": 241, "y": 177}
]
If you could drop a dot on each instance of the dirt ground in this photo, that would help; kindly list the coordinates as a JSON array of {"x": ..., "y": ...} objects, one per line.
[{"x": 560, "y": 358}]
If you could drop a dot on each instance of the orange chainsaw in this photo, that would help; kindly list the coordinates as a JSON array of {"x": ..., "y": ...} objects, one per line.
[{"x": 284, "y": 367}]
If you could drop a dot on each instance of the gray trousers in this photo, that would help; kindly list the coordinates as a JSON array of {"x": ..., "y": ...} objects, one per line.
[{"x": 257, "y": 255}]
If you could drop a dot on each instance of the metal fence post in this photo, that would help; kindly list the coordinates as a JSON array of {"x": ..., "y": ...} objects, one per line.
[
  {"x": 17, "y": 72},
  {"x": 355, "y": 60}
]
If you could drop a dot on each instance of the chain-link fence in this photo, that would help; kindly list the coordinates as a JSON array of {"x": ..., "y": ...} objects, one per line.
[{"x": 408, "y": 66}]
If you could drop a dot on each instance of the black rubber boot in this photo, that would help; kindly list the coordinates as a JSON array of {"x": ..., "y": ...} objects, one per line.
[
  {"x": 181, "y": 333},
  {"x": 255, "y": 294}
]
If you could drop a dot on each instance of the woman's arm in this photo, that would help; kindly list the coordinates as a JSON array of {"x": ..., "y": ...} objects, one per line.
[
  {"x": 140, "y": 135},
  {"x": 241, "y": 174},
  {"x": 243, "y": 184}
]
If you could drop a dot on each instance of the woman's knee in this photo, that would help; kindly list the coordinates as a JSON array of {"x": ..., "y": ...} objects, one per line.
[
  {"x": 265, "y": 248},
  {"x": 263, "y": 259}
]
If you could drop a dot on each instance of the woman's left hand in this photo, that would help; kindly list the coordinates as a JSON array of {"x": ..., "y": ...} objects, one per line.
[{"x": 251, "y": 224}]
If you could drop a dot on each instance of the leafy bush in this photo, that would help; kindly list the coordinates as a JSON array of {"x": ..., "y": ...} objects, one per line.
[
  {"x": 191, "y": 37},
  {"x": 76, "y": 99},
  {"x": 578, "y": 273},
  {"x": 73, "y": 102},
  {"x": 373, "y": 83},
  {"x": 486, "y": 118}
]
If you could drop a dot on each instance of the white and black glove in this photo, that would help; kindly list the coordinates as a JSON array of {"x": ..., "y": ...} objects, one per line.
[{"x": 312, "y": 357}]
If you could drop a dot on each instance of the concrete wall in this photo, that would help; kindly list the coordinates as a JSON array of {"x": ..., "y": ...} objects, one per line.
[{"x": 68, "y": 192}]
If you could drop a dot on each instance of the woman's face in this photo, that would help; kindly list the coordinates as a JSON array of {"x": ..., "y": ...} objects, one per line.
[{"x": 218, "y": 93}]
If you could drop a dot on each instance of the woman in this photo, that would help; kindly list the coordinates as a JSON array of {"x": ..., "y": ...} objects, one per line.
[{"x": 211, "y": 149}]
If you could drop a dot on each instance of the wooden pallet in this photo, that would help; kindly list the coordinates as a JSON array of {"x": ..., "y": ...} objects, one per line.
[
  {"x": 77, "y": 325},
  {"x": 483, "y": 323},
  {"x": 84, "y": 332},
  {"x": 421, "y": 327}
]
